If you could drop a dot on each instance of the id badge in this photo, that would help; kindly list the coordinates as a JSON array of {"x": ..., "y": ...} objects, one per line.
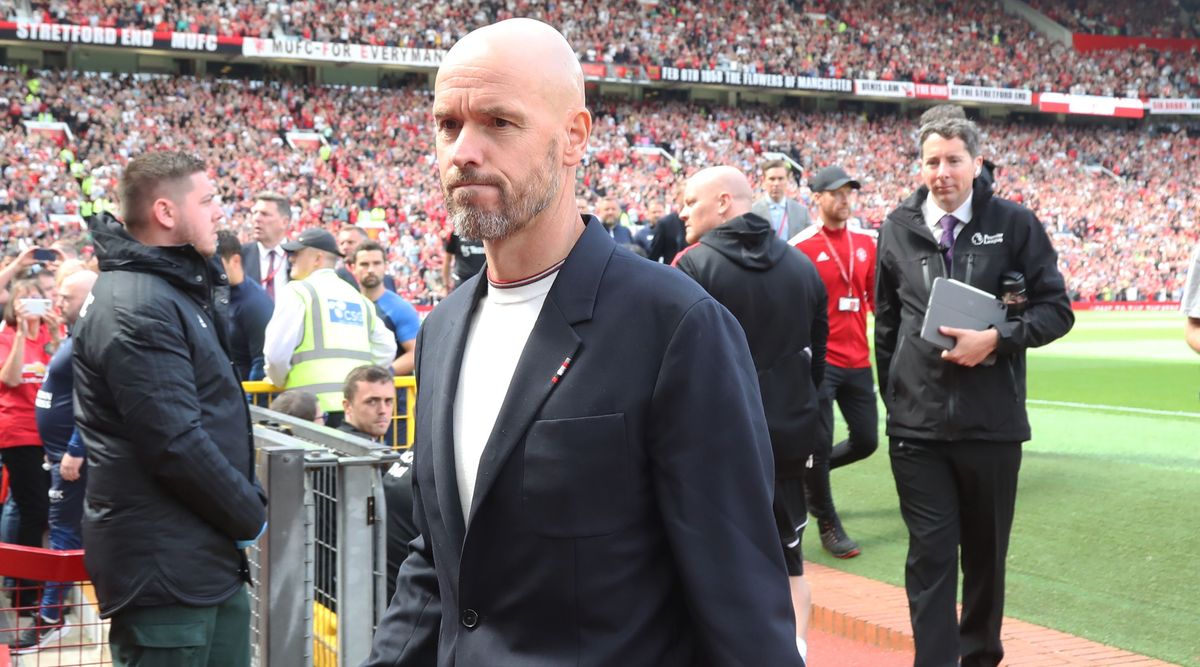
[{"x": 848, "y": 304}]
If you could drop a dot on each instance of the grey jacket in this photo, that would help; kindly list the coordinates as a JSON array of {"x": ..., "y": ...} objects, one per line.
[{"x": 797, "y": 215}]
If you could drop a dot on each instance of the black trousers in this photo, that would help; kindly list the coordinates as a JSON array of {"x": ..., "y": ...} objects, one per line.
[
  {"x": 956, "y": 495},
  {"x": 853, "y": 389},
  {"x": 30, "y": 485}
]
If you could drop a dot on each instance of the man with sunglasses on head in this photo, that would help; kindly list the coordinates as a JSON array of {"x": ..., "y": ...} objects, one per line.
[{"x": 322, "y": 327}]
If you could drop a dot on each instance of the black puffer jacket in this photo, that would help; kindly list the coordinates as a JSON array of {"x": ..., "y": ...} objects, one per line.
[
  {"x": 927, "y": 397},
  {"x": 774, "y": 291},
  {"x": 171, "y": 484}
]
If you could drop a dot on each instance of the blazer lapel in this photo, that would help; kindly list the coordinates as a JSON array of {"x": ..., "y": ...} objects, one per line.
[
  {"x": 253, "y": 266},
  {"x": 795, "y": 217},
  {"x": 551, "y": 342},
  {"x": 447, "y": 362}
]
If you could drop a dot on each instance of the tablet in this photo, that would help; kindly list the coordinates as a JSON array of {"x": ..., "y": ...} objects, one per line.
[{"x": 957, "y": 304}]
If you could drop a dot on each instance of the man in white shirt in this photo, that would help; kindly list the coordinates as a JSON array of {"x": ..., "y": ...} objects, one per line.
[
  {"x": 264, "y": 259},
  {"x": 787, "y": 216},
  {"x": 579, "y": 500}
]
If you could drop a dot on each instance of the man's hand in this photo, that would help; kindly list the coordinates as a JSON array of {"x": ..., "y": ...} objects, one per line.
[
  {"x": 70, "y": 467},
  {"x": 25, "y": 259},
  {"x": 970, "y": 347}
]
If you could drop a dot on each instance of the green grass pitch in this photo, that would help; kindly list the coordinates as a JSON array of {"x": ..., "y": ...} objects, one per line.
[{"x": 1106, "y": 541}]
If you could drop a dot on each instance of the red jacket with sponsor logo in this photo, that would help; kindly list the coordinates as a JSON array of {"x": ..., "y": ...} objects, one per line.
[{"x": 845, "y": 260}]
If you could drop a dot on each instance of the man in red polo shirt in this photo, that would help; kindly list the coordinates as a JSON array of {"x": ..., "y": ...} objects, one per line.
[{"x": 845, "y": 259}]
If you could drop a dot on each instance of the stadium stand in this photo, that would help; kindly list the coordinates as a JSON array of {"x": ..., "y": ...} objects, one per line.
[
  {"x": 1120, "y": 215},
  {"x": 959, "y": 41},
  {"x": 1148, "y": 18}
]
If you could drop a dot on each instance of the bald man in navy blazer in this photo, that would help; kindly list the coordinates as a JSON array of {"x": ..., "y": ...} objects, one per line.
[{"x": 593, "y": 475}]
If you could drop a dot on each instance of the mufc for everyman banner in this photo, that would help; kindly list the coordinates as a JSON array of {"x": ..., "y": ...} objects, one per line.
[{"x": 369, "y": 54}]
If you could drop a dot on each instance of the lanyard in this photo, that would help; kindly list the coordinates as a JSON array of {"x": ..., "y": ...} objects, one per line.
[
  {"x": 847, "y": 276},
  {"x": 782, "y": 229}
]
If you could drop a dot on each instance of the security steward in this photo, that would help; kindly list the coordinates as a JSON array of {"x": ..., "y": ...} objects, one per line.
[{"x": 322, "y": 327}]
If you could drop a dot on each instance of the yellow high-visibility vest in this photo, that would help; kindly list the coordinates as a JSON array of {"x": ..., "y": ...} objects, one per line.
[{"x": 337, "y": 337}]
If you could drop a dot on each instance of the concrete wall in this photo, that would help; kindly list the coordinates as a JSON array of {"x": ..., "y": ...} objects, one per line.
[{"x": 1039, "y": 21}]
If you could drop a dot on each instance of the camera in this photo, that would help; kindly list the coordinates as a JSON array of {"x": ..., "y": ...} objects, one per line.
[
  {"x": 45, "y": 255},
  {"x": 1012, "y": 293}
]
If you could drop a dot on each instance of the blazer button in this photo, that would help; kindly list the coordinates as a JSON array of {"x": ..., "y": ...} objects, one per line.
[{"x": 470, "y": 618}]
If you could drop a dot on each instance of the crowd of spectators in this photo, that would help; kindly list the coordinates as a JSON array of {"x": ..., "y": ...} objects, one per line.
[
  {"x": 1146, "y": 18},
  {"x": 1113, "y": 198},
  {"x": 967, "y": 42}
]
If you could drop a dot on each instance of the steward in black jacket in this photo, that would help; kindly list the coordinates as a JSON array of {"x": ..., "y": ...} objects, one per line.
[
  {"x": 776, "y": 294},
  {"x": 171, "y": 484},
  {"x": 931, "y": 399}
]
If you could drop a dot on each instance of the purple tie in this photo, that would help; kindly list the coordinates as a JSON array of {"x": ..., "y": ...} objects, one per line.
[{"x": 948, "y": 222}]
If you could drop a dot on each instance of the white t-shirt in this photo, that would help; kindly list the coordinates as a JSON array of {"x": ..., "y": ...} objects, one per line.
[{"x": 500, "y": 327}]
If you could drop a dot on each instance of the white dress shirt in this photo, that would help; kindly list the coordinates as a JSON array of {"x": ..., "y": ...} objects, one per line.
[
  {"x": 264, "y": 264},
  {"x": 933, "y": 216}
]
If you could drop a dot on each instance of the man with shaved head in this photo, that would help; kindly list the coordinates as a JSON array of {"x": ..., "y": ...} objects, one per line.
[
  {"x": 578, "y": 501},
  {"x": 777, "y": 296}
]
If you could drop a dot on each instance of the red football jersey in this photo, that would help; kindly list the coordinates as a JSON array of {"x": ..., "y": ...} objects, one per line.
[{"x": 845, "y": 258}]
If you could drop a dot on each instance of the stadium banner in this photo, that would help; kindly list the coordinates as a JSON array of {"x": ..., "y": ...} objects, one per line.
[
  {"x": 305, "y": 141},
  {"x": 594, "y": 70},
  {"x": 1091, "y": 105},
  {"x": 336, "y": 52},
  {"x": 1085, "y": 43},
  {"x": 750, "y": 79},
  {"x": 72, "y": 219},
  {"x": 874, "y": 88},
  {"x": 932, "y": 91},
  {"x": 991, "y": 95},
  {"x": 1163, "y": 105},
  {"x": 60, "y": 132},
  {"x": 62, "y": 33},
  {"x": 1127, "y": 306}
]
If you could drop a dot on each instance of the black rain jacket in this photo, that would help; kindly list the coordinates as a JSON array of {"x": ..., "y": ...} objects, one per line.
[
  {"x": 171, "y": 483},
  {"x": 774, "y": 291},
  {"x": 928, "y": 398}
]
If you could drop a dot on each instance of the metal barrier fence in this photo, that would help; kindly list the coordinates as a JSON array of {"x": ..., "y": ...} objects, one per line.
[
  {"x": 319, "y": 571},
  {"x": 261, "y": 392},
  {"x": 79, "y": 639}
]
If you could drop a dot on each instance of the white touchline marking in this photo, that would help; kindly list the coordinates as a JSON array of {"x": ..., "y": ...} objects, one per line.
[{"x": 1116, "y": 408}]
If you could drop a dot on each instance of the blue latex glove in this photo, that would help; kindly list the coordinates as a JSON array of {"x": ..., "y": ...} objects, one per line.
[{"x": 246, "y": 544}]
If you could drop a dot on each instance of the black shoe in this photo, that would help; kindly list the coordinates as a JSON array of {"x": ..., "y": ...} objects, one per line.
[
  {"x": 836, "y": 541},
  {"x": 39, "y": 636}
]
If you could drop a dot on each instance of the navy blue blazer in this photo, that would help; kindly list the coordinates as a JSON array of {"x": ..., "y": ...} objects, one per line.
[{"x": 622, "y": 515}]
